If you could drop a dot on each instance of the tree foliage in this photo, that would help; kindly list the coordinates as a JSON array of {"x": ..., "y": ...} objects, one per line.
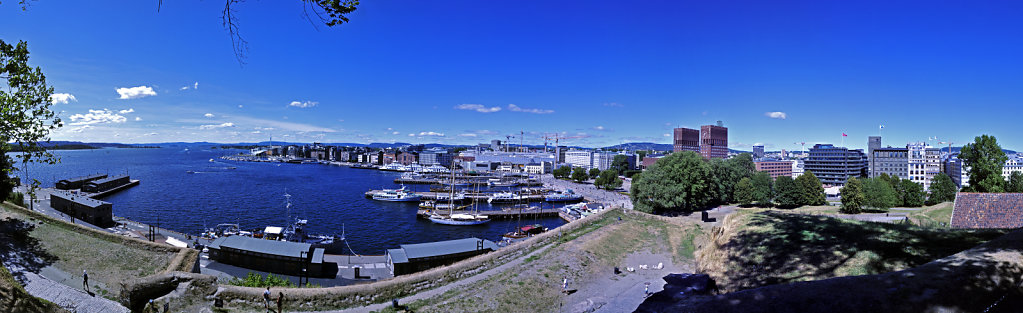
[
  {"x": 942, "y": 189},
  {"x": 594, "y": 172},
  {"x": 762, "y": 193},
  {"x": 879, "y": 193},
  {"x": 562, "y": 172},
  {"x": 852, "y": 197},
  {"x": 914, "y": 196},
  {"x": 985, "y": 158},
  {"x": 811, "y": 191},
  {"x": 1015, "y": 183},
  {"x": 621, "y": 164},
  {"x": 680, "y": 182},
  {"x": 579, "y": 175},
  {"x": 24, "y": 110},
  {"x": 744, "y": 192},
  {"x": 608, "y": 179},
  {"x": 786, "y": 192}
]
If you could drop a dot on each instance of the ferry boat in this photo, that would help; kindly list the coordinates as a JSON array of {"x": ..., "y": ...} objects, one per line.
[
  {"x": 504, "y": 197},
  {"x": 500, "y": 183},
  {"x": 397, "y": 195},
  {"x": 394, "y": 167},
  {"x": 563, "y": 196}
]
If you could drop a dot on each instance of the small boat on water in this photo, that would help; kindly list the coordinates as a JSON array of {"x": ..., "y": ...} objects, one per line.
[
  {"x": 224, "y": 230},
  {"x": 460, "y": 219},
  {"x": 563, "y": 196},
  {"x": 525, "y": 231},
  {"x": 504, "y": 197},
  {"x": 436, "y": 205},
  {"x": 397, "y": 195},
  {"x": 296, "y": 232}
]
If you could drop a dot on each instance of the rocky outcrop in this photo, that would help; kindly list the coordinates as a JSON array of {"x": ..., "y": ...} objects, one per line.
[{"x": 179, "y": 290}]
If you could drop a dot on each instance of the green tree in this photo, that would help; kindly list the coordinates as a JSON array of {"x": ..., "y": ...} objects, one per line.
[
  {"x": 1015, "y": 183},
  {"x": 852, "y": 197},
  {"x": 914, "y": 196},
  {"x": 879, "y": 193},
  {"x": 621, "y": 164},
  {"x": 579, "y": 175},
  {"x": 811, "y": 192},
  {"x": 942, "y": 189},
  {"x": 762, "y": 193},
  {"x": 985, "y": 158},
  {"x": 744, "y": 191},
  {"x": 608, "y": 179},
  {"x": 786, "y": 192},
  {"x": 594, "y": 172},
  {"x": 25, "y": 112},
  {"x": 642, "y": 154},
  {"x": 562, "y": 172},
  {"x": 743, "y": 164},
  {"x": 680, "y": 182}
]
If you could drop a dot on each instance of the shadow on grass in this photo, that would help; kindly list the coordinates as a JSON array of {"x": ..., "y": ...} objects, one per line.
[
  {"x": 780, "y": 248},
  {"x": 20, "y": 252}
]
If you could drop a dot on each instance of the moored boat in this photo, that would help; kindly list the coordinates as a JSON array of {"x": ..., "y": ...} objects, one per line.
[{"x": 397, "y": 195}]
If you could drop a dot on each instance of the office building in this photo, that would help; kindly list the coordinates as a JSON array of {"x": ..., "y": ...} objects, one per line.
[
  {"x": 435, "y": 157},
  {"x": 775, "y": 168},
  {"x": 891, "y": 161},
  {"x": 1013, "y": 164},
  {"x": 923, "y": 163},
  {"x": 834, "y": 165},
  {"x": 686, "y": 139},
  {"x": 714, "y": 141},
  {"x": 957, "y": 170},
  {"x": 797, "y": 168},
  {"x": 873, "y": 142},
  {"x": 579, "y": 158},
  {"x": 758, "y": 152}
]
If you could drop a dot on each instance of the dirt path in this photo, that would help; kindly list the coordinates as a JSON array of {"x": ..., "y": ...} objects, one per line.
[
  {"x": 73, "y": 300},
  {"x": 440, "y": 290},
  {"x": 614, "y": 293}
]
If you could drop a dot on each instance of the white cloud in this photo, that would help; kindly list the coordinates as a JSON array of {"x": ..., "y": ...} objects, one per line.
[
  {"x": 467, "y": 135},
  {"x": 215, "y": 126},
  {"x": 287, "y": 126},
  {"x": 667, "y": 135},
  {"x": 81, "y": 129},
  {"x": 209, "y": 115},
  {"x": 150, "y": 134},
  {"x": 138, "y": 118},
  {"x": 613, "y": 104},
  {"x": 307, "y": 104},
  {"x": 97, "y": 117},
  {"x": 62, "y": 98},
  {"x": 184, "y": 88},
  {"x": 435, "y": 134},
  {"x": 515, "y": 108},
  {"x": 240, "y": 106},
  {"x": 196, "y": 86},
  {"x": 257, "y": 132},
  {"x": 395, "y": 133},
  {"x": 411, "y": 135},
  {"x": 478, "y": 108},
  {"x": 777, "y": 115},
  {"x": 129, "y": 110},
  {"x": 135, "y": 92},
  {"x": 601, "y": 128}
]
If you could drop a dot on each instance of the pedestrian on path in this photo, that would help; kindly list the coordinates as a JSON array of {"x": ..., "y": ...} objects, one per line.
[
  {"x": 564, "y": 285},
  {"x": 266, "y": 299},
  {"x": 646, "y": 289},
  {"x": 280, "y": 302},
  {"x": 85, "y": 280}
]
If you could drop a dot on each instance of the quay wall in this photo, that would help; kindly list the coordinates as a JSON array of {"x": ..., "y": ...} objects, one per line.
[{"x": 401, "y": 286}]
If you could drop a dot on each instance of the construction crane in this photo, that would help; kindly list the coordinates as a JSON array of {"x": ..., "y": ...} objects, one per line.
[
  {"x": 507, "y": 140},
  {"x": 949, "y": 146},
  {"x": 802, "y": 146}
]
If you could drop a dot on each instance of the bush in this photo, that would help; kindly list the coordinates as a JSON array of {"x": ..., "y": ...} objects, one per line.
[
  {"x": 256, "y": 280},
  {"x": 16, "y": 198}
]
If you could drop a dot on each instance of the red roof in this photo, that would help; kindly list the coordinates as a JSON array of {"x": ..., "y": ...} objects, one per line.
[{"x": 987, "y": 210}]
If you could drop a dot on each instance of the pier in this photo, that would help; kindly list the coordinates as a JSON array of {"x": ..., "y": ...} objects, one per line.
[
  {"x": 499, "y": 214},
  {"x": 432, "y": 195}
]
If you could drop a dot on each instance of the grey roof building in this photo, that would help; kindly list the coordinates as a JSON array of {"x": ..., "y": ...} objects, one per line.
[
  {"x": 417, "y": 257},
  {"x": 891, "y": 161},
  {"x": 282, "y": 257}
]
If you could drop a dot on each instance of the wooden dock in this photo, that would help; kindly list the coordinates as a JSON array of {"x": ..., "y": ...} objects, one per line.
[
  {"x": 432, "y": 195},
  {"x": 501, "y": 214}
]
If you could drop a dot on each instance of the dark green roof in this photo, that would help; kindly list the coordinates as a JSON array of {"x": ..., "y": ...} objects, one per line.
[
  {"x": 438, "y": 248},
  {"x": 271, "y": 247}
]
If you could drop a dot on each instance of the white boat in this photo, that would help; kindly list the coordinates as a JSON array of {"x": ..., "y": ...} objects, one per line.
[
  {"x": 458, "y": 197},
  {"x": 394, "y": 167},
  {"x": 458, "y": 219},
  {"x": 563, "y": 196},
  {"x": 397, "y": 195},
  {"x": 504, "y": 197}
]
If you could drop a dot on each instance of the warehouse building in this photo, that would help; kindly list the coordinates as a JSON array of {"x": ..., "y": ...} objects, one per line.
[
  {"x": 281, "y": 257},
  {"x": 413, "y": 258},
  {"x": 89, "y": 210}
]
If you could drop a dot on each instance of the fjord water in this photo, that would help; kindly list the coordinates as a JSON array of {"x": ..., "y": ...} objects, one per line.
[{"x": 252, "y": 195}]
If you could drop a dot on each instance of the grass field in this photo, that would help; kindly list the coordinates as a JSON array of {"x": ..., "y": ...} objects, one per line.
[
  {"x": 937, "y": 215},
  {"x": 534, "y": 285},
  {"x": 758, "y": 248},
  {"x": 108, "y": 262}
]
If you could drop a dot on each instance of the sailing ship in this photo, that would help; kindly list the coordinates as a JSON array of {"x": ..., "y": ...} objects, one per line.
[
  {"x": 460, "y": 219},
  {"x": 397, "y": 195}
]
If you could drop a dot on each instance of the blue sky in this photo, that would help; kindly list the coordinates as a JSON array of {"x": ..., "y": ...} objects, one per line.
[{"x": 462, "y": 72}]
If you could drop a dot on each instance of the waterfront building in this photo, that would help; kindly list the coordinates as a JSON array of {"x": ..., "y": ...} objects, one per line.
[
  {"x": 89, "y": 210},
  {"x": 520, "y": 158},
  {"x": 539, "y": 168},
  {"x": 281, "y": 257},
  {"x": 758, "y": 151},
  {"x": 78, "y": 182},
  {"x": 579, "y": 158},
  {"x": 411, "y": 258},
  {"x": 101, "y": 185},
  {"x": 714, "y": 141},
  {"x": 686, "y": 139},
  {"x": 923, "y": 163},
  {"x": 775, "y": 168},
  {"x": 435, "y": 156},
  {"x": 834, "y": 165},
  {"x": 406, "y": 157},
  {"x": 891, "y": 161}
]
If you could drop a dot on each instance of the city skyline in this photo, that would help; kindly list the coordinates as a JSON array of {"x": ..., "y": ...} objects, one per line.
[{"x": 467, "y": 73}]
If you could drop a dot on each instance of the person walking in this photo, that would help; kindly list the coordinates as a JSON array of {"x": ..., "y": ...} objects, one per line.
[
  {"x": 266, "y": 299},
  {"x": 564, "y": 285},
  {"x": 85, "y": 280},
  {"x": 280, "y": 302}
]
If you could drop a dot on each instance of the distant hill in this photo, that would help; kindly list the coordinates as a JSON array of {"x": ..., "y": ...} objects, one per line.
[{"x": 633, "y": 146}]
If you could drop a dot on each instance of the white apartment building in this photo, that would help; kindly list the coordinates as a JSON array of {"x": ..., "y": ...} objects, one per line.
[
  {"x": 539, "y": 168},
  {"x": 579, "y": 158},
  {"x": 1013, "y": 164},
  {"x": 797, "y": 168},
  {"x": 924, "y": 162}
]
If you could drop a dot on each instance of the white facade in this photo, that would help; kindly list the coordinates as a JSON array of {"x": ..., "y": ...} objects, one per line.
[
  {"x": 797, "y": 168},
  {"x": 579, "y": 158},
  {"x": 1013, "y": 164},
  {"x": 603, "y": 160},
  {"x": 539, "y": 168},
  {"x": 924, "y": 162}
]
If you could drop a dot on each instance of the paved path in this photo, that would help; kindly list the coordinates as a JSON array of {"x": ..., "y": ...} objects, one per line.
[
  {"x": 69, "y": 298},
  {"x": 589, "y": 191},
  {"x": 442, "y": 289}
]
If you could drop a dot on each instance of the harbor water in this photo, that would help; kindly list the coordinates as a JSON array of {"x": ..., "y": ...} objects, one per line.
[{"x": 187, "y": 189}]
